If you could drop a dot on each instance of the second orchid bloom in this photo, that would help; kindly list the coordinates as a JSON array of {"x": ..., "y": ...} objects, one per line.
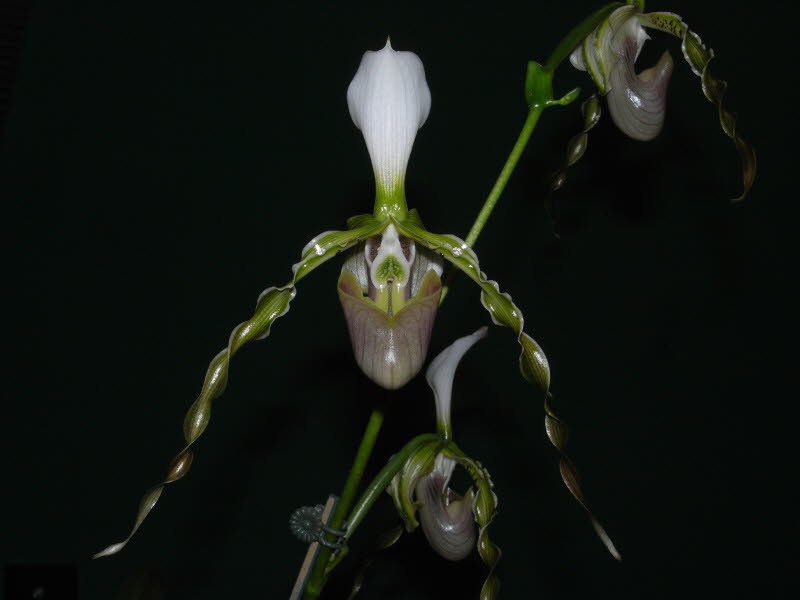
[
  {"x": 637, "y": 101},
  {"x": 453, "y": 524}
]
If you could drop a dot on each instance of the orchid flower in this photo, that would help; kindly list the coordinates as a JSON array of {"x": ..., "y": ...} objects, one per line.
[
  {"x": 388, "y": 288},
  {"x": 637, "y": 101},
  {"x": 448, "y": 519}
]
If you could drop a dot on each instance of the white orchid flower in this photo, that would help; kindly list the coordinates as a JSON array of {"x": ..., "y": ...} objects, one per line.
[
  {"x": 637, "y": 101},
  {"x": 389, "y": 289}
]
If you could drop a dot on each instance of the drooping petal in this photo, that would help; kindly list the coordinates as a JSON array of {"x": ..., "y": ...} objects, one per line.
[
  {"x": 699, "y": 57},
  {"x": 389, "y": 349},
  {"x": 484, "y": 508},
  {"x": 575, "y": 148},
  {"x": 272, "y": 304},
  {"x": 389, "y": 101},
  {"x": 441, "y": 372}
]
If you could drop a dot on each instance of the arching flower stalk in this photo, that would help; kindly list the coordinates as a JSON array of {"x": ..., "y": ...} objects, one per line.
[{"x": 637, "y": 101}]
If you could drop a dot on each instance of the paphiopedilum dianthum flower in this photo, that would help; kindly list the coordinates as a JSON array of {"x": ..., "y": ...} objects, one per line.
[
  {"x": 390, "y": 289},
  {"x": 453, "y": 524},
  {"x": 390, "y": 281},
  {"x": 637, "y": 101}
]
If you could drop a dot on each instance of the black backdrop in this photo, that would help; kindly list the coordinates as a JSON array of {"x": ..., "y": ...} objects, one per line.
[{"x": 163, "y": 163}]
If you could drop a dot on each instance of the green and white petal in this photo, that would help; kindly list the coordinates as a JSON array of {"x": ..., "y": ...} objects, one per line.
[
  {"x": 389, "y": 101},
  {"x": 330, "y": 243},
  {"x": 440, "y": 376},
  {"x": 403, "y": 485}
]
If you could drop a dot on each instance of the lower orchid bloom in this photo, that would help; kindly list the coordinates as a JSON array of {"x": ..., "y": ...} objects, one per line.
[
  {"x": 637, "y": 101},
  {"x": 453, "y": 524}
]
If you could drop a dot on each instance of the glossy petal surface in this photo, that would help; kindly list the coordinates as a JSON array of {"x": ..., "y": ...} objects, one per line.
[
  {"x": 637, "y": 103},
  {"x": 446, "y": 518},
  {"x": 390, "y": 350}
]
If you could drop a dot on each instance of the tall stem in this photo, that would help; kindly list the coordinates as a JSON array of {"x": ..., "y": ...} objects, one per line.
[
  {"x": 505, "y": 174},
  {"x": 317, "y": 580},
  {"x": 499, "y": 185}
]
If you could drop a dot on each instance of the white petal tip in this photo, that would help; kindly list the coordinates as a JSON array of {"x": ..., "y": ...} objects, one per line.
[
  {"x": 389, "y": 101},
  {"x": 442, "y": 371},
  {"x": 112, "y": 549}
]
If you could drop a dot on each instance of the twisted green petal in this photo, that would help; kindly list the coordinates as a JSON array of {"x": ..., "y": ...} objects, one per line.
[
  {"x": 699, "y": 57},
  {"x": 532, "y": 361},
  {"x": 591, "y": 110},
  {"x": 484, "y": 508},
  {"x": 272, "y": 304}
]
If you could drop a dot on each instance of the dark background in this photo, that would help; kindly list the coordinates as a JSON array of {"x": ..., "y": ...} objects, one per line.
[{"x": 163, "y": 163}]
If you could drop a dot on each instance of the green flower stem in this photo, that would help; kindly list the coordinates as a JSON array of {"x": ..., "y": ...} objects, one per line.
[
  {"x": 505, "y": 174},
  {"x": 562, "y": 50},
  {"x": 375, "y": 488},
  {"x": 382, "y": 480},
  {"x": 499, "y": 185},
  {"x": 317, "y": 580},
  {"x": 540, "y": 95}
]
